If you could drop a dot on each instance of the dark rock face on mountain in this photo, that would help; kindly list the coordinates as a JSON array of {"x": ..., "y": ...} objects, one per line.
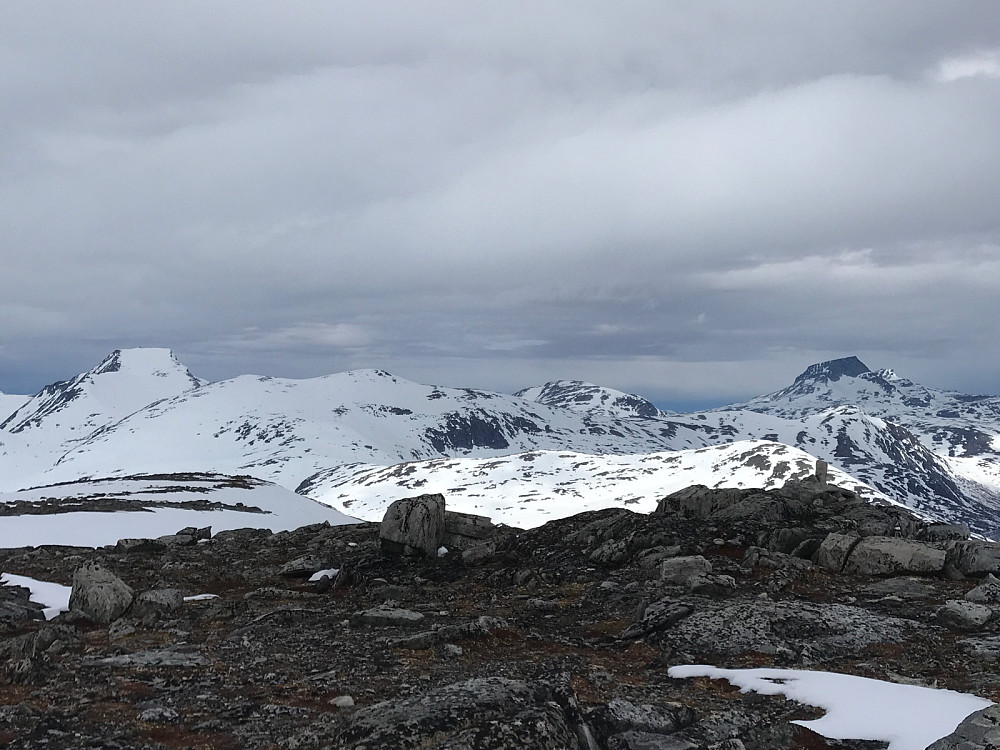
[
  {"x": 833, "y": 370},
  {"x": 556, "y": 637}
]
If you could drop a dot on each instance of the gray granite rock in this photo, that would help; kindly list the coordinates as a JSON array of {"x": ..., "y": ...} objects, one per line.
[
  {"x": 880, "y": 555},
  {"x": 414, "y": 526},
  {"x": 99, "y": 594}
]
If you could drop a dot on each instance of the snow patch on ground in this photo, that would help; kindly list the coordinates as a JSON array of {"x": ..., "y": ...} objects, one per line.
[
  {"x": 54, "y": 596},
  {"x": 908, "y": 717}
]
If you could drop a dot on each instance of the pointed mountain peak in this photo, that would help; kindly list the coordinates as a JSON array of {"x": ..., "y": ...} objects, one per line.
[
  {"x": 833, "y": 370},
  {"x": 145, "y": 361}
]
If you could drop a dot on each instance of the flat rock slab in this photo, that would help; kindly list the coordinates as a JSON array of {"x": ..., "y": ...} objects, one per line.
[
  {"x": 767, "y": 626},
  {"x": 165, "y": 657},
  {"x": 388, "y": 616},
  {"x": 882, "y": 555}
]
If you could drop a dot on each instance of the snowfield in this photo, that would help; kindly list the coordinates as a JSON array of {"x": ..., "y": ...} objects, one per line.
[
  {"x": 98, "y": 513},
  {"x": 529, "y": 489},
  {"x": 908, "y": 717}
]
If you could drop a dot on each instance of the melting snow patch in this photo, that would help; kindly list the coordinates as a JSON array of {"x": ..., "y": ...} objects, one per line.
[
  {"x": 330, "y": 573},
  {"x": 54, "y": 596},
  {"x": 908, "y": 717}
]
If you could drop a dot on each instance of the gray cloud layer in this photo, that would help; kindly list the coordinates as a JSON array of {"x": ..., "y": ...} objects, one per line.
[{"x": 692, "y": 200}]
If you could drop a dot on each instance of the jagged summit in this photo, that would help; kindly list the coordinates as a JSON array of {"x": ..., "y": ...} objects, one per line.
[
  {"x": 123, "y": 382},
  {"x": 833, "y": 370}
]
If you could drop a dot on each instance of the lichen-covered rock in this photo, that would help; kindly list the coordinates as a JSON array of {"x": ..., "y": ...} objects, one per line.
[
  {"x": 152, "y": 604},
  {"x": 414, "y": 526},
  {"x": 681, "y": 570},
  {"x": 880, "y": 555},
  {"x": 659, "y": 615},
  {"x": 100, "y": 594},
  {"x": 699, "y": 501},
  {"x": 835, "y": 550},
  {"x": 957, "y": 614},
  {"x": 988, "y": 592},
  {"x": 304, "y": 566},
  {"x": 490, "y": 713},
  {"x": 979, "y": 731},
  {"x": 974, "y": 557},
  {"x": 388, "y": 616},
  {"x": 769, "y": 627}
]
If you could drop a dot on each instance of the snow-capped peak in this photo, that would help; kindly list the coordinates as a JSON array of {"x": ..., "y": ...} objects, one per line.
[
  {"x": 124, "y": 381},
  {"x": 161, "y": 363},
  {"x": 887, "y": 373}
]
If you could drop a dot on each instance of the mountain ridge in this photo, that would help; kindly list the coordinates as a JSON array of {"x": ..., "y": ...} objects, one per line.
[{"x": 936, "y": 451}]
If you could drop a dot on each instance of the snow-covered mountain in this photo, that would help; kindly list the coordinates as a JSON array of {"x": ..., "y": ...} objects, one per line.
[
  {"x": 532, "y": 488},
  {"x": 589, "y": 398},
  {"x": 287, "y": 430},
  {"x": 141, "y": 411},
  {"x": 67, "y": 412},
  {"x": 951, "y": 440}
]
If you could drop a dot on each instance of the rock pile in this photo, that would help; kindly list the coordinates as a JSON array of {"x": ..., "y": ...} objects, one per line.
[{"x": 554, "y": 637}]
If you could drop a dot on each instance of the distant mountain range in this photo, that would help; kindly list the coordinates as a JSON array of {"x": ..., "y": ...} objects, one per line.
[{"x": 359, "y": 439}]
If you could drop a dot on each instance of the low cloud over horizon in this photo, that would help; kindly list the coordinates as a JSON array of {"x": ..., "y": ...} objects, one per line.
[{"x": 691, "y": 201}]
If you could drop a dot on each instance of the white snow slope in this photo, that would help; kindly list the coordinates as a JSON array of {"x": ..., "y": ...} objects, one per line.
[
  {"x": 100, "y": 512},
  {"x": 529, "y": 489},
  {"x": 10, "y": 403}
]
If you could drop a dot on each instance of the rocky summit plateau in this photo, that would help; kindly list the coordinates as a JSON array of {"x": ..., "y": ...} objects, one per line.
[{"x": 436, "y": 628}]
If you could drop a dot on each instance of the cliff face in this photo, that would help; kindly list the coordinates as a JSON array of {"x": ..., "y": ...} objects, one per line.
[{"x": 559, "y": 636}]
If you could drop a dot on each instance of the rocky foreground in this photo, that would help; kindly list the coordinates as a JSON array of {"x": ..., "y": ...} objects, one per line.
[{"x": 554, "y": 637}]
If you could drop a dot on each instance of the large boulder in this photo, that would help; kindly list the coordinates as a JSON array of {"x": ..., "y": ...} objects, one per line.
[
  {"x": 958, "y": 614},
  {"x": 413, "y": 526},
  {"x": 681, "y": 570},
  {"x": 974, "y": 557},
  {"x": 99, "y": 594},
  {"x": 835, "y": 550},
  {"x": 881, "y": 555},
  {"x": 699, "y": 501}
]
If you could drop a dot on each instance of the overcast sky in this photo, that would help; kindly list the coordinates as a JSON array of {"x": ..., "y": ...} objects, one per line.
[{"x": 689, "y": 200}]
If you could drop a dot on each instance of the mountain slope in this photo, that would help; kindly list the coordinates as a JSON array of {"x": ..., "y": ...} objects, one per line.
[
  {"x": 589, "y": 398},
  {"x": 124, "y": 382},
  {"x": 286, "y": 430},
  {"x": 529, "y": 489},
  {"x": 889, "y": 434},
  {"x": 10, "y": 403},
  {"x": 962, "y": 432},
  {"x": 100, "y": 512}
]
